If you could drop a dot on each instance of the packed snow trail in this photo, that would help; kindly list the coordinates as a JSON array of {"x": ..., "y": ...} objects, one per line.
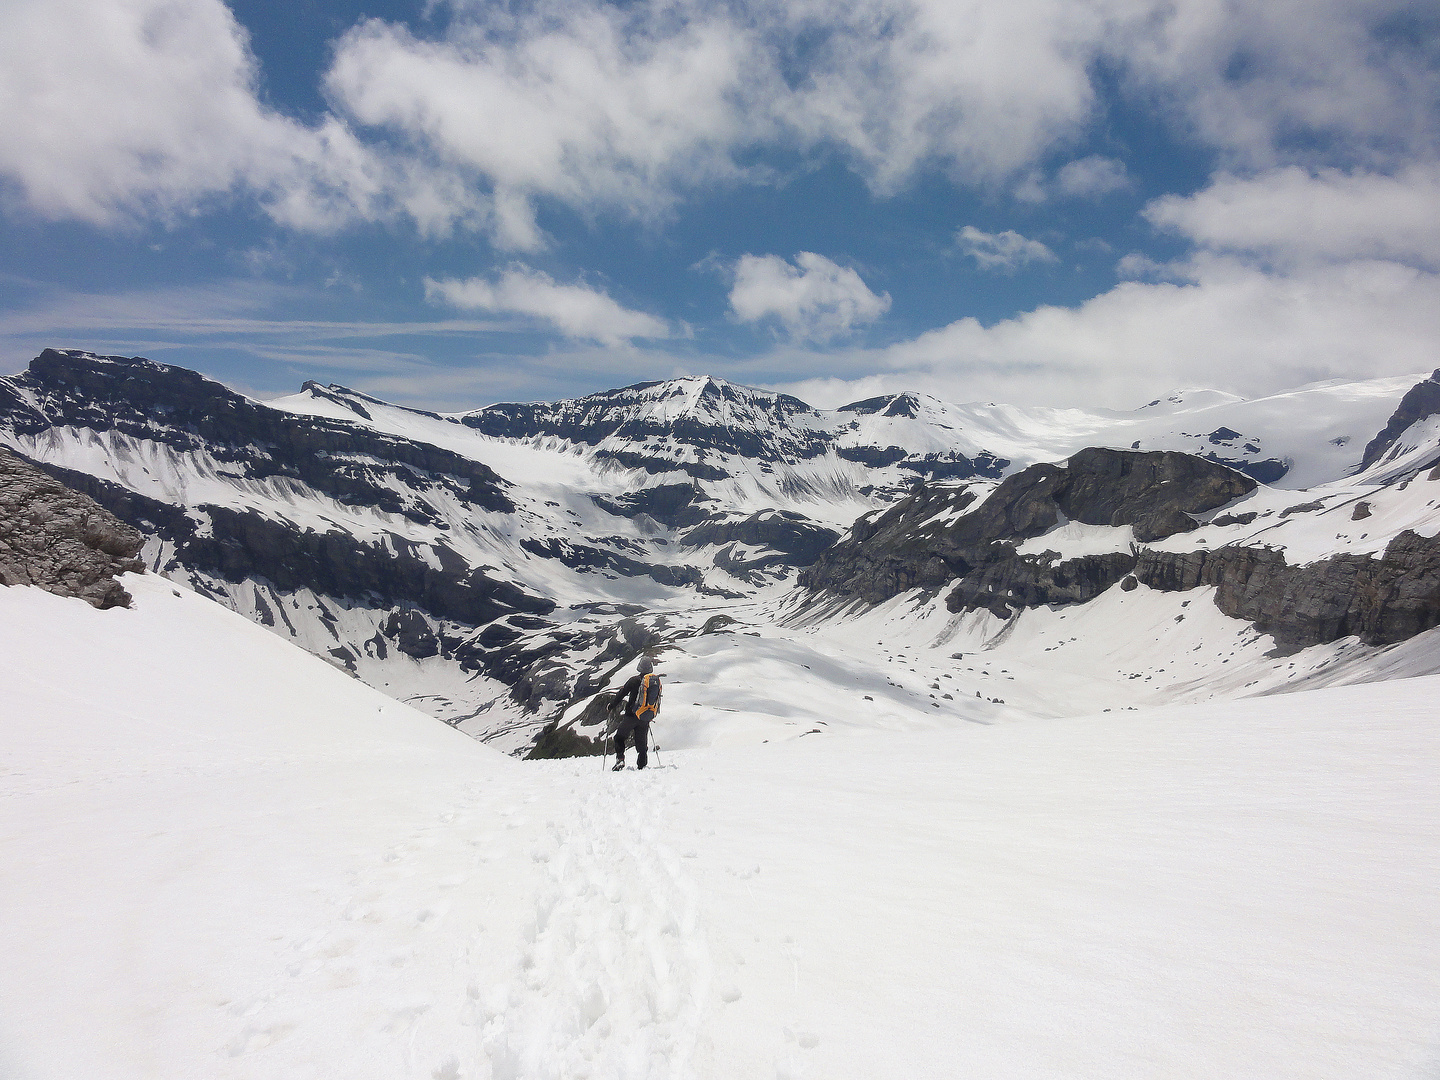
[{"x": 616, "y": 971}]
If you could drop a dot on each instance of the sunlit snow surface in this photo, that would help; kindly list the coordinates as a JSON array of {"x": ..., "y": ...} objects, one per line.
[{"x": 224, "y": 858}]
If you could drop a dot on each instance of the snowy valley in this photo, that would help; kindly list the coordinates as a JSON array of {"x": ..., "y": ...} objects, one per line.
[
  {"x": 501, "y": 569},
  {"x": 998, "y": 742}
]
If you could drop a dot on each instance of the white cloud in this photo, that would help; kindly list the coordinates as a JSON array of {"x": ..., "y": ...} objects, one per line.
[
  {"x": 597, "y": 106},
  {"x": 1295, "y": 214},
  {"x": 816, "y": 299},
  {"x": 1092, "y": 176},
  {"x": 1230, "y": 325},
  {"x": 575, "y": 310},
  {"x": 1267, "y": 80},
  {"x": 1005, "y": 251},
  {"x": 120, "y": 110},
  {"x": 125, "y": 109}
]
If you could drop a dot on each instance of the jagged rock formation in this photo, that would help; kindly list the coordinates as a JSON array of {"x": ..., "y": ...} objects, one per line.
[
  {"x": 1422, "y": 401},
  {"x": 701, "y": 427},
  {"x": 934, "y": 536},
  {"x": 61, "y": 541},
  {"x": 711, "y": 417}
]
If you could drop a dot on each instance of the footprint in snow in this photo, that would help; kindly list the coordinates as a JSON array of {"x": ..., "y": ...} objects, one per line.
[{"x": 616, "y": 973}]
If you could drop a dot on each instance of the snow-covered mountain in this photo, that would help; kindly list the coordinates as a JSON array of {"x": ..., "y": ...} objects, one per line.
[{"x": 500, "y": 568}]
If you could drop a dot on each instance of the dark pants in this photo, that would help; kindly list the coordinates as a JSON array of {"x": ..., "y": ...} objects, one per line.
[{"x": 632, "y": 727}]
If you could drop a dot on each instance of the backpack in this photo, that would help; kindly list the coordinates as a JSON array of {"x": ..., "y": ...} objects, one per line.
[{"x": 647, "y": 701}]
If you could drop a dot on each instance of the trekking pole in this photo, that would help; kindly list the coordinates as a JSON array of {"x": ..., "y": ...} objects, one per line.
[{"x": 659, "y": 762}]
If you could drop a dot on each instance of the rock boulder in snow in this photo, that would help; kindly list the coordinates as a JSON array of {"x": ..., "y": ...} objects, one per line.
[{"x": 60, "y": 540}]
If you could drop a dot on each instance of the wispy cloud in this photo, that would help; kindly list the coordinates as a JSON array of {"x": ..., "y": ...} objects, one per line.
[
  {"x": 1004, "y": 251},
  {"x": 577, "y": 311}
]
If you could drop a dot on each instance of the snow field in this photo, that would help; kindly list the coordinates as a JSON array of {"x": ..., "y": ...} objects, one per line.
[
  {"x": 616, "y": 974},
  {"x": 224, "y": 858},
  {"x": 1204, "y": 892}
]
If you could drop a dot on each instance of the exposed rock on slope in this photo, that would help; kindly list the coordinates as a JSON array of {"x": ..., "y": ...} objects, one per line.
[
  {"x": 60, "y": 540},
  {"x": 1422, "y": 401},
  {"x": 1381, "y": 601},
  {"x": 796, "y": 541},
  {"x": 242, "y": 545},
  {"x": 933, "y": 536},
  {"x": 188, "y": 412}
]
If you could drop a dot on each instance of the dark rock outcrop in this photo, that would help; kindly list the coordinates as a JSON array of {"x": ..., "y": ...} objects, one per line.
[
  {"x": 236, "y": 545},
  {"x": 60, "y": 540},
  {"x": 1033, "y": 581},
  {"x": 412, "y": 633},
  {"x": 1421, "y": 401},
  {"x": 587, "y": 557},
  {"x": 676, "y": 505},
  {"x": 1381, "y": 601},
  {"x": 932, "y": 536},
  {"x": 794, "y": 536}
]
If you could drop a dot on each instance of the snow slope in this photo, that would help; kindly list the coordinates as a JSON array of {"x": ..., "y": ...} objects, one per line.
[{"x": 224, "y": 858}]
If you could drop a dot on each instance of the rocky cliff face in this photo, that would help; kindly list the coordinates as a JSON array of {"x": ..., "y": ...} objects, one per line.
[
  {"x": 941, "y": 533},
  {"x": 1381, "y": 601},
  {"x": 1421, "y": 402},
  {"x": 60, "y": 540}
]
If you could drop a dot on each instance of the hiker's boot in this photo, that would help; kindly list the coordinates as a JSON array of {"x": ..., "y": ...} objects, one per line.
[{"x": 618, "y": 765}]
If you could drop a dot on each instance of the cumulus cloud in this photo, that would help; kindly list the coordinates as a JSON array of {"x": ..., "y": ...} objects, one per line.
[
  {"x": 575, "y": 310},
  {"x": 1228, "y": 325},
  {"x": 1297, "y": 214},
  {"x": 815, "y": 298},
  {"x": 627, "y": 108},
  {"x": 592, "y": 104},
  {"x": 1266, "y": 81},
  {"x": 1004, "y": 251},
  {"x": 120, "y": 110}
]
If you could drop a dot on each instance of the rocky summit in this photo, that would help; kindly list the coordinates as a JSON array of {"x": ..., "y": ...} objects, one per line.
[{"x": 502, "y": 569}]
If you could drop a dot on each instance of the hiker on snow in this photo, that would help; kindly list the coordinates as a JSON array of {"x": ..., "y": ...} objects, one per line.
[{"x": 638, "y": 702}]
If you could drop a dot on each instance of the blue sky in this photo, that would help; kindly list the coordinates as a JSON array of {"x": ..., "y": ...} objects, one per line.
[{"x": 452, "y": 203}]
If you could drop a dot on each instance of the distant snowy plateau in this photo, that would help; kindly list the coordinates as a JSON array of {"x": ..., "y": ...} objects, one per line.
[{"x": 997, "y": 742}]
